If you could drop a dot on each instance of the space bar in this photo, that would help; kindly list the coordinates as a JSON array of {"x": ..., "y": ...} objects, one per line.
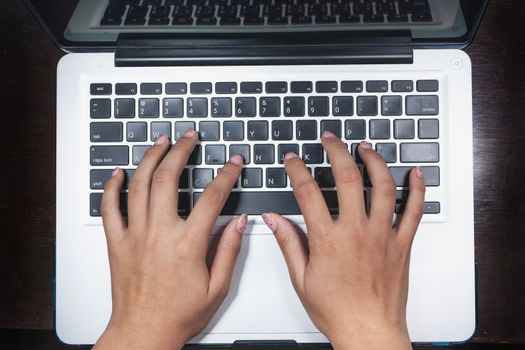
[{"x": 256, "y": 203}]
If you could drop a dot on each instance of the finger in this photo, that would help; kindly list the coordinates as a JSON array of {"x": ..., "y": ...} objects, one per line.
[
  {"x": 308, "y": 195},
  {"x": 291, "y": 246},
  {"x": 221, "y": 270},
  {"x": 114, "y": 225},
  {"x": 414, "y": 207},
  {"x": 383, "y": 187},
  {"x": 347, "y": 179},
  {"x": 164, "y": 194},
  {"x": 139, "y": 187},
  {"x": 205, "y": 212}
]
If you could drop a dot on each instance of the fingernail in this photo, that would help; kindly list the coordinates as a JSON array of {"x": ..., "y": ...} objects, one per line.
[
  {"x": 115, "y": 172},
  {"x": 290, "y": 155},
  {"x": 161, "y": 140},
  {"x": 269, "y": 222},
  {"x": 365, "y": 145},
  {"x": 241, "y": 223},
  {"x": 188, "y": 133},
  {"x": 237, "y": 159},
  {"x": 328, "y": 134},
  {"x": 419, "y": 171}
]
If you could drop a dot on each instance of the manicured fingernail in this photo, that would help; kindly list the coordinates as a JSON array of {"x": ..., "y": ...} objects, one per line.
[
  {"x": 365, "y": 145},
  {"x": 328, "y": 134},
  {"x": 188, "y": 133},
  {"x": 290, "y": 155},
  {"x": 419, "y": 171},
  {"x": 161, "y": 140},
  {"x": 237, "y": 159},
  {"x": 269, "y": 222},
  {"x": 115, "y": 172},
  {"x": 241, "y": 223}
]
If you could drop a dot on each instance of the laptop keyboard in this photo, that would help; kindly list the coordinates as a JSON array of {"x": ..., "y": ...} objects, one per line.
[
  {"x": 254, "y": 13},
  {"x": 263, "y": 120}
]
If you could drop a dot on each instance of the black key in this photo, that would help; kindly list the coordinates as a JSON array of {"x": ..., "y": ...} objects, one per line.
[
  {"x": 202, "y": 177},
  {"x": 270, "y": 107},
  {"x": 427, "y": 85},
  {"x": 173, "y": 107},
  {"x": 421, "y": 17},
  {"x": 301, "y": 87},
  {"x": 137, "y": 11},
  {"x": 349, "y": 19},
  {"x": 275, "y": 178},
  {"x": 230, "y": 21},
  {"x": 256, "y": 203},
  {"x": 402, "y": 86},
  {"x": 148, "y": 108},
  {"x": 136, "y": 132},
  {"x": 396, "y": 18},
  {"x": 95, "y": 199},
  {"x": 182, "y": 127},
  {"x": 401, "y": 198},
  {"x": 284, "y": 148},
  {"x": 253, "y": 21},
  {"x": 388, "y": 151},
  {"x": 100, "y": 108},
  {"x": 251, "y": 87},
  {"x": 326, "y": 86},
  {"x": 99, "y": 177},
  {"x": 176, "y": 88},
  {"x": 138, "y": 153},
  {"x": 324, "y": 177},
  {"x": 379, "y": 129},
  {"x": 182, "y": 21},
  {"x": 251, "y": 178},
  {"x": 158, "y": 20},
  {"x": 226, "y": 88},
  {"x": 325, "y": 19},
  {"x": 221, "y": 107},
  {"x": 400, "y": 175},
  {"x": 257, "y": 130},
  {"x": 424, "y": 152},
  {"x": 243, "y": 150},
  {"x": 432, "y": 208},
  {"x": 428, "y": 128},
  {"x": 306, "y": 130},
  {"x": 263, "y": 154},
  {"x": 111, "y": 20},
  {"x": 367, "y": 106},
  {"x": 334, "y": 126},
  {"x": 195, "y": 157},
  {"x": 206, "y": 21},
  {"x": 355, "y": 129},
  {"x": 294, "y": 106},
  {"x": 373, "y": 18},
  {"x": 245, "y": 107},
  {"x": 301, "y": 20},
  {"x": 404, "y": 129},
  {"x": 209, "y": 131},
  {"x": 312, "y": 153},
  {"x": 205, "y": 11},
  {"x": 352, "y": 86},
  {"x": 342, "y": 106},
  {"x": 100, "y": 89},
  {"x": 391, "y": 105},
  {"x": 200, "y": 88},
  {"x": 124, "y": 108},
  {"x": 215, "y": 154},
  {"x": 282, "y": 130},
  {"x": 197, "y": 107},
  {"x": 109, "y": 155},
  {"x": 422, "y": 105},
  {"x": 233, "y": 131},
  {"x": 318, "y": 106},
  {"x": 377, "y": 86},
  {"x": 277, "y": 20},
  {"x": 126, "y": 89},
  {"x": 184, "y": 180},
  {"x": 276, "y": 87},
  {"x": 151, "y": 88},
  {"x": 105, "y": 132},
  {"x": 135, "y": 21},
  {"x": 355, "y": 153},
  {"x": 158, "y": 129}
]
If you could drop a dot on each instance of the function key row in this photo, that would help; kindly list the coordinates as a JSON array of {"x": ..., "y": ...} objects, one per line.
[{"x": 271, "y": 87}]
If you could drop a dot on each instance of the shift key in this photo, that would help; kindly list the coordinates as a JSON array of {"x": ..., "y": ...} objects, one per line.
[{"x": 109, "y": 155}]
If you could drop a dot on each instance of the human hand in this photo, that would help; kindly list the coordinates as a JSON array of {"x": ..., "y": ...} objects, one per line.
[
  {"x": 353, "y": 278},
  {"x": 162, "y": 290}
]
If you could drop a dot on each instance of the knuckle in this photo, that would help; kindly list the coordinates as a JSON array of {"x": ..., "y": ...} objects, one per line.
[
  {"x": 163, "y": 175},
  {"x": 105, "y": 208},
  {"x": 306, "y": 190},
  {"x": 229, "y": 172},
  {"x": 387, "y": 189},
  {"x": 135, "y": 186},
  {"x": 416, "y": 213},
  {"x": 350, "y": 175}
]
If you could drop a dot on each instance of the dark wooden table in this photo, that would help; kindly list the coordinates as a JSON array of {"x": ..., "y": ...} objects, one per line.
[{"x": 27, "y": 176}]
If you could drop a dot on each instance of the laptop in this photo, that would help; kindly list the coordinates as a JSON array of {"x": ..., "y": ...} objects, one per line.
[{"x": 262, "y": 78}]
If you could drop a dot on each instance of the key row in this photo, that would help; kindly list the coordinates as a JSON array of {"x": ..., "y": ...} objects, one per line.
[
  {"x": 270, "y": 87},
  {"x": 267, "y": 107}
]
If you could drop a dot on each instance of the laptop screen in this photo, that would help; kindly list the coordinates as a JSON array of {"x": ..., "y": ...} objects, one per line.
[{"x": 96, "y": 25}]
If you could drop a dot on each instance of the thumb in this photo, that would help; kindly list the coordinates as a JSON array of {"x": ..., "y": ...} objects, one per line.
[{"x": 289, "y": 241}]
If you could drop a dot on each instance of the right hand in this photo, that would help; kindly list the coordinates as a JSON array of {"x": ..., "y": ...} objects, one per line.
[{"x": 353, "y": 277}]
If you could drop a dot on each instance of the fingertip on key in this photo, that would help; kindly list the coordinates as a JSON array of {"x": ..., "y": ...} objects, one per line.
[{"x": 237, "y": 159}]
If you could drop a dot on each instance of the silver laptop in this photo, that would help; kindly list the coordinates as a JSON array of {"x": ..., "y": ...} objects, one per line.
[{"x": 263, "y": 78}]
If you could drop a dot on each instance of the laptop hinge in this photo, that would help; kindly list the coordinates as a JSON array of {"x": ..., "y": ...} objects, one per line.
[{"x": 205, "y": 51}]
